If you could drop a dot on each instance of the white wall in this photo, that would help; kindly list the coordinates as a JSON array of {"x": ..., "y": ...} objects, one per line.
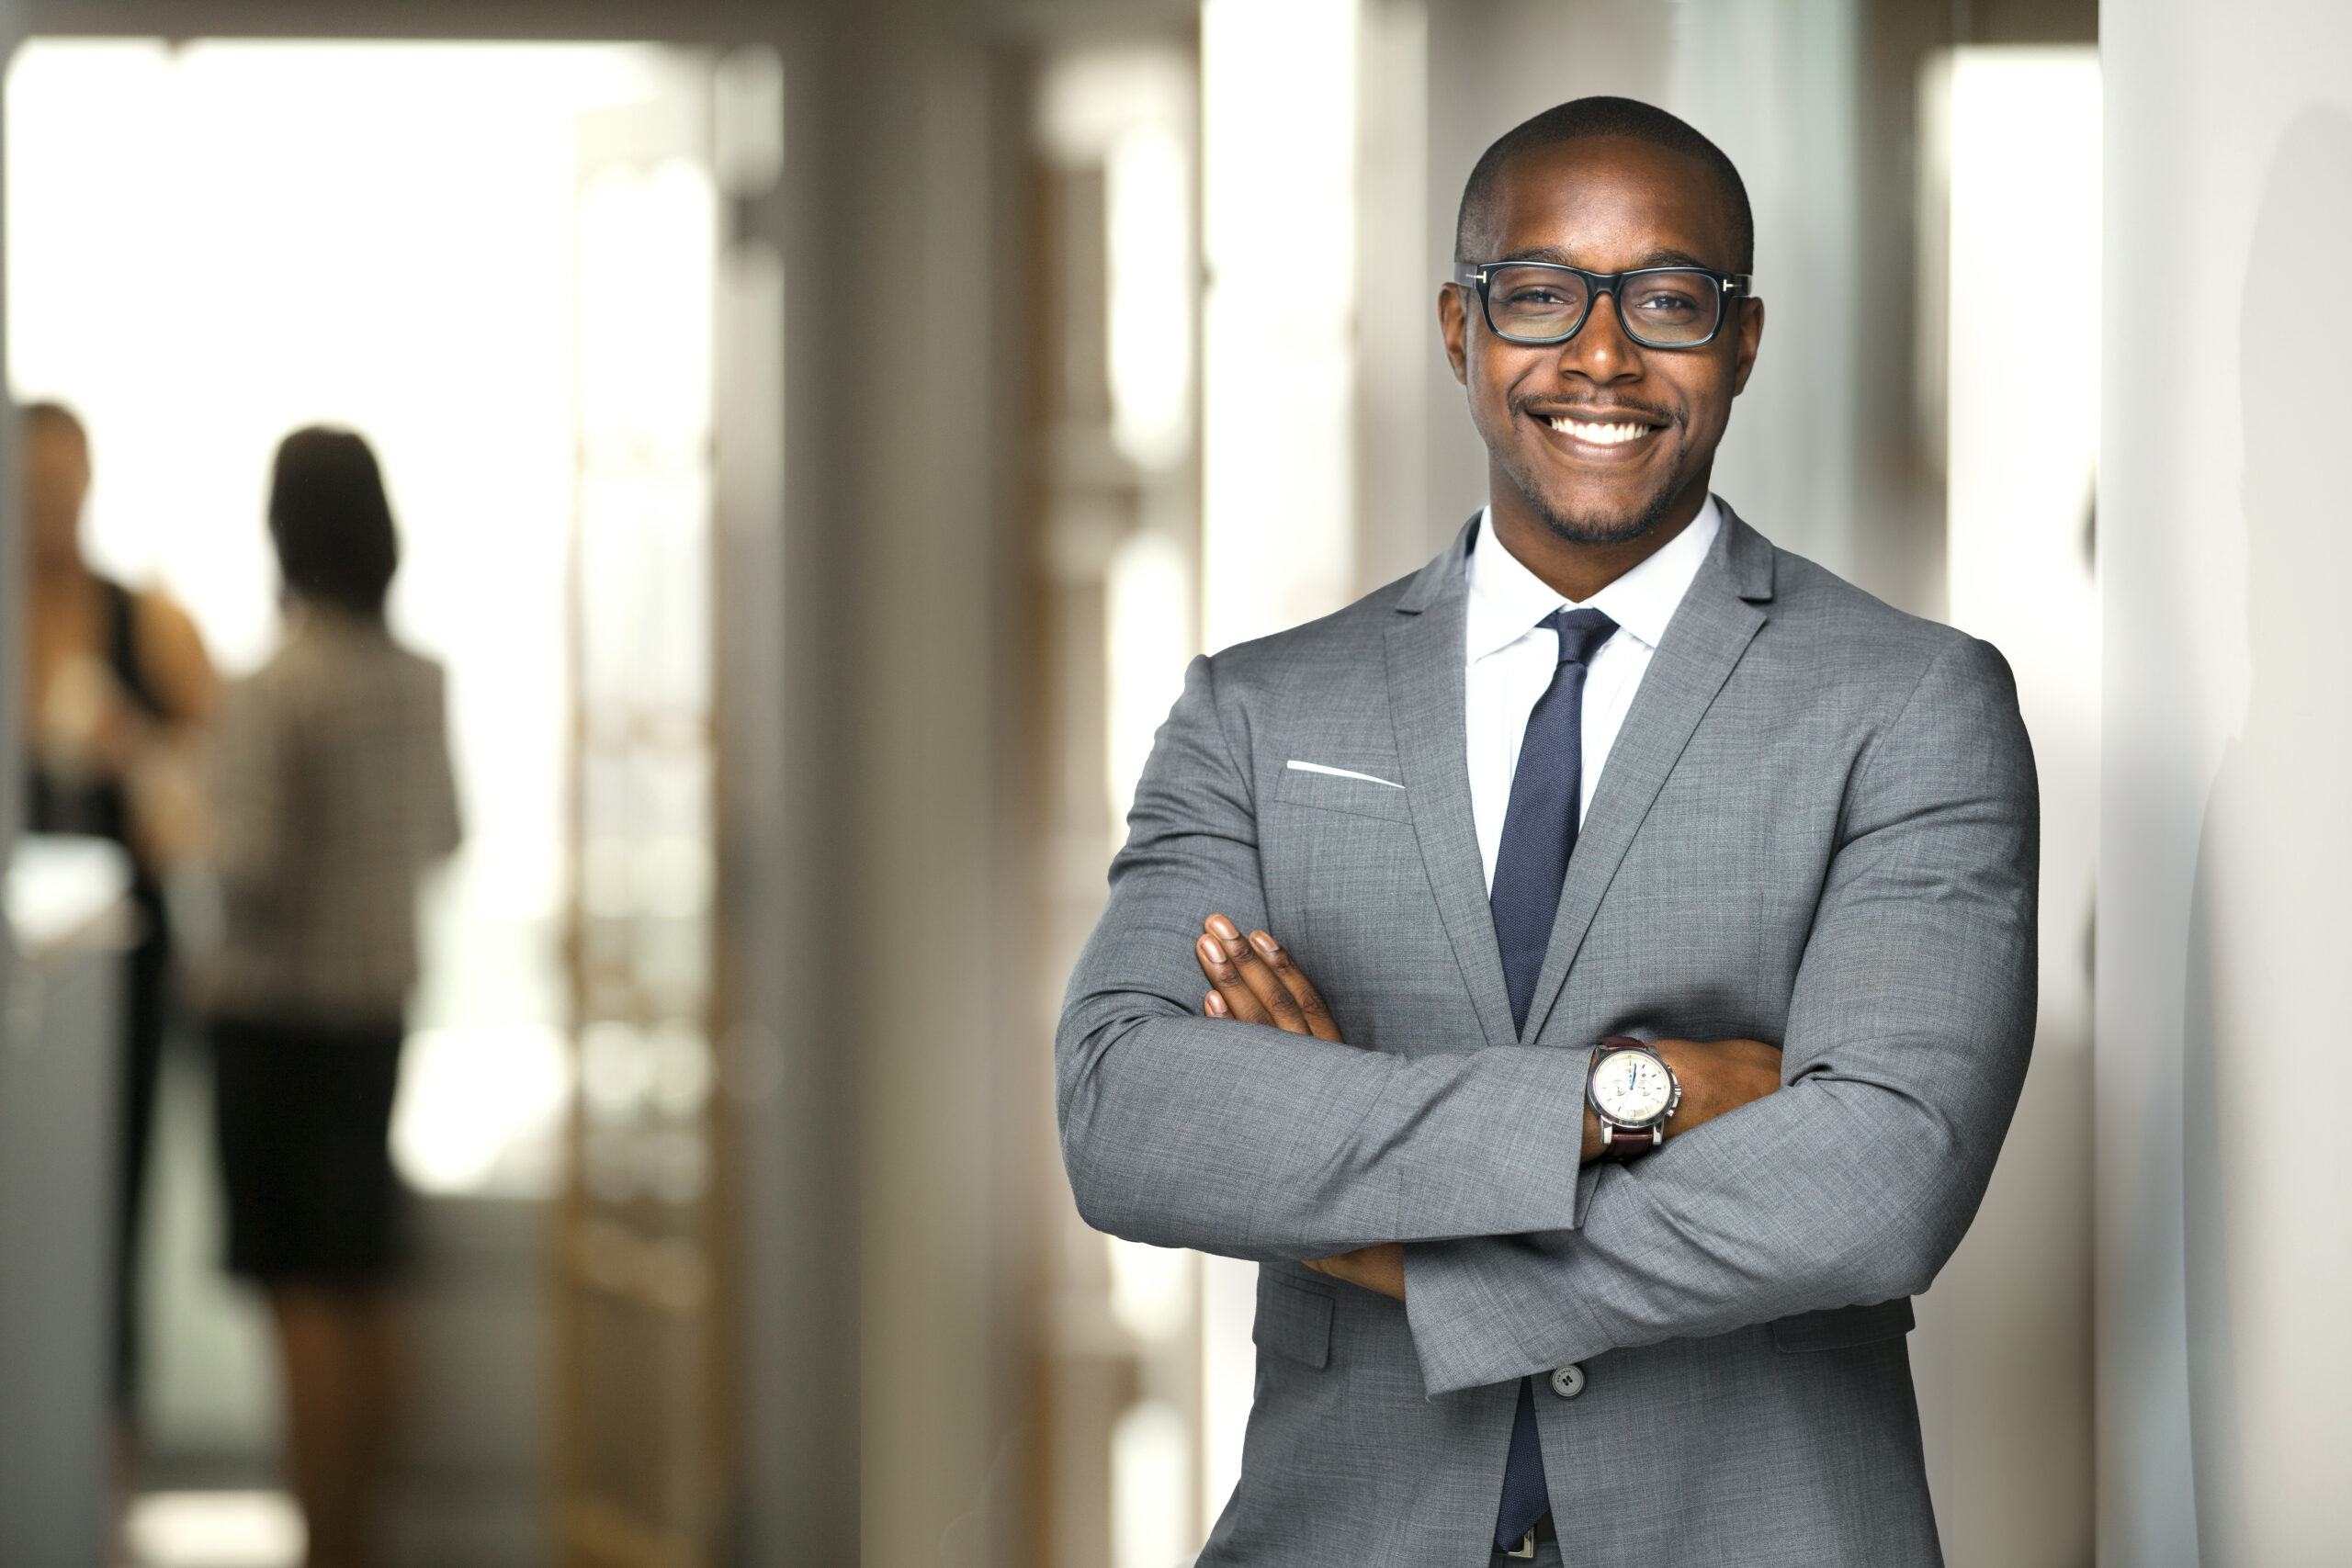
[{"x": 2225, "y": 1376}]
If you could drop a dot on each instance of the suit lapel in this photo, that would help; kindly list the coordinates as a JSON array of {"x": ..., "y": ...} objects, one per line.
[
  {"x": 1425, "y": 698},
  {"x": 1718, "y": 617}
]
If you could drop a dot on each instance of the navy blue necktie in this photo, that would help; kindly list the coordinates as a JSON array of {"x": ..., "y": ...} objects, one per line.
[{"x": 1538, "y": 831}]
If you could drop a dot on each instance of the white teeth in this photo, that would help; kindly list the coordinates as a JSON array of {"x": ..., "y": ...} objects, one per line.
[{"x": 1600, "y": 435}]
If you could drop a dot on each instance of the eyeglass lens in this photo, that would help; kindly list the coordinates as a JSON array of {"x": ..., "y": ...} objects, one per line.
[{"x": 1662, "y": 309}]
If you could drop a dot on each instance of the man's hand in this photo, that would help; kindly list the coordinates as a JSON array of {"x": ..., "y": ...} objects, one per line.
[
  {"x": 1257, "y": 982},
  {"x": 1378, "y": 1268},
  {"x": 1717, "y": 1077}
]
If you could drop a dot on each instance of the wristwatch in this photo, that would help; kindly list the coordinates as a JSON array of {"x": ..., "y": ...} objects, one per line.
[{"x": 1633, "y": 1091}]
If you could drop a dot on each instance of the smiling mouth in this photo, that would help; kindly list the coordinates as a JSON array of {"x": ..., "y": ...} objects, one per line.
[{"x": 1601, "y": 434}]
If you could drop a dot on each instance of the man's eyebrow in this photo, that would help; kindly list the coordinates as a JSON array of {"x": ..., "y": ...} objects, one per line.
[{"x": 1559, "y": 257}]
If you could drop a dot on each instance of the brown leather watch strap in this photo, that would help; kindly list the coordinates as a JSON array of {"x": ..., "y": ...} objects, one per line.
[{"x": 1625, "y": 1146}]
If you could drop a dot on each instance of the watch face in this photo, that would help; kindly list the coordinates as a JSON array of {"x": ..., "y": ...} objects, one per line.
[{"x": 1632, "y": 1087}]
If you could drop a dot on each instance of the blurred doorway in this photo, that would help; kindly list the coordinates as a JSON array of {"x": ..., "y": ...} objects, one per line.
[{"x": 501, "y": 263}]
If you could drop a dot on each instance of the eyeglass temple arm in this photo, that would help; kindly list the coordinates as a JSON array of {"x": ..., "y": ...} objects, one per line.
[{"x": 1470, "y": 275}]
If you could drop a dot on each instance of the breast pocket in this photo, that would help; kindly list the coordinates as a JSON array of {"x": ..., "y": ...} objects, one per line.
[
  {"x": 1294, "y": 1318},
  {"x": 1366, "y": 788}
]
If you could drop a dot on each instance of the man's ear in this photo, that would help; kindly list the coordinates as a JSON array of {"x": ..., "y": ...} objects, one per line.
[
  {"x": 1453, "y": 326},
  {"x": 1751, "y": 334}
]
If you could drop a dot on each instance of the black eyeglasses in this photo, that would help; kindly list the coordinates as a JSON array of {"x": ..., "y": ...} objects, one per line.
[{"x": 1544, "y": 302}]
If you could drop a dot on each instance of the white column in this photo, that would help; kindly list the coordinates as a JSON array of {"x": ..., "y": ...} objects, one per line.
[
  {"x": 1280, "y": 166},
  {"x": 1775, "y": 86},
  {"x": 2003, "y": 1351},
  {"x": 2224, "y": 1373},
  {"x": 1278, "y": 188}
]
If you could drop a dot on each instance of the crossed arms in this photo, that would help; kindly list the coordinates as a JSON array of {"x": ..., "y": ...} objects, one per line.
[
  {"x": 1253, "y": 980},
  {"x": 1908, "y": 1033}
]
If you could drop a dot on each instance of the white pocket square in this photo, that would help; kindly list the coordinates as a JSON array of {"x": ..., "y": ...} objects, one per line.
[{"x": 1297, "y": 766}]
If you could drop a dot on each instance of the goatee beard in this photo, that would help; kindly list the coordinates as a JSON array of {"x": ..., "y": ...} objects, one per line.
[{"x": 1599, "y": 531}]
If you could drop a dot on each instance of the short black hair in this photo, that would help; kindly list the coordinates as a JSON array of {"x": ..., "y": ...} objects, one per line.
[
  {"x": 1576, "y": 120},
  {"x": 332, "y": 522}
]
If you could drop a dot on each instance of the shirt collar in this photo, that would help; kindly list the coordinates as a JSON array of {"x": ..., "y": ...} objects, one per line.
[{"x": 1507, "y": 600}]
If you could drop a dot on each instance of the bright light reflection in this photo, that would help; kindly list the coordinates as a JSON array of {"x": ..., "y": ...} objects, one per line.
[
  {"x": 2022, "y": 472},
  {"x": 1151, "y": 1477},
  {"x": 1147, "y": 193},
  {"x": 1278, "y": 95},
  {"x": 481, "y": 1110},
  {"x": 1228, "y": 1312},
  {"x": 1151, "y": 1288},
  {"x": 214, "y": 1529},
  {"x": 1146, "y": 606},
  {"x": 646, "y": 276}
]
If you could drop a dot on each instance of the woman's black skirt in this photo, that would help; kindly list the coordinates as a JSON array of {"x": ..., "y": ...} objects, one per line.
[{"x": 303, "y": 1116}]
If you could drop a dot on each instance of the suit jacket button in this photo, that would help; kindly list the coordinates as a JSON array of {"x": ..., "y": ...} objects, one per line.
[{"x": 1568, "y": 1382}]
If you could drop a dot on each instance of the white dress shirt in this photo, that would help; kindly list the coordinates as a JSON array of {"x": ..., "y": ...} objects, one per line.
[{"x": 1511, "y": 660}]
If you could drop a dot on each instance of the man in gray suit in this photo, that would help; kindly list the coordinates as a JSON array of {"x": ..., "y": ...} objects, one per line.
[{"x": 1675, "y": 903}]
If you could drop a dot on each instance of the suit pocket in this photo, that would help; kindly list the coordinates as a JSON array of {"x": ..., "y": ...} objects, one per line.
[
  {"x": 1371, "y": 795},
  {"x": 1842, "y": 1328},
  {"x": 1293, "y": 1319}
]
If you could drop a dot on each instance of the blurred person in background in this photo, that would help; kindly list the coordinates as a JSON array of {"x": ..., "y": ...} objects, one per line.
[
  {"x": 117, "y": 690},
  {"x": 332, "y": 796}
]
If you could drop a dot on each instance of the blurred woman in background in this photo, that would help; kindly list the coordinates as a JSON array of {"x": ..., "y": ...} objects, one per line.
[
  {"x": 117, "y": 691},
  {"x": 332, "y": 796}
]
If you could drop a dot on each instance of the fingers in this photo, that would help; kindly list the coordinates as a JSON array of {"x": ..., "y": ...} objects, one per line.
[
  {"x": 1257, "y": 981},
  {"x": 1293, "y": 979},
  {"x": 1233, "y": 995},
  {"x": 1245, "y": 958}
]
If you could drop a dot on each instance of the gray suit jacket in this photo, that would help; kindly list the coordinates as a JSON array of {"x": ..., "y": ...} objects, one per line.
[{"x": 1817, "y": 827}]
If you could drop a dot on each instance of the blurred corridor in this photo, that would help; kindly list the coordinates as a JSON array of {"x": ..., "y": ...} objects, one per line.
[{"x": 820, "y": 437}]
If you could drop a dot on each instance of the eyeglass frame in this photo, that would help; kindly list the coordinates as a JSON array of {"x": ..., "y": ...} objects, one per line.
[{"x": 1473, "y": 275}]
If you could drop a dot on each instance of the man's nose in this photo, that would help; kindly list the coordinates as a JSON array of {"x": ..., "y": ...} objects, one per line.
[{"x": 1602, "y": 351}]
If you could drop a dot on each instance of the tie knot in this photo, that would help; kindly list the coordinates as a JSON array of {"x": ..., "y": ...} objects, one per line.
[{"x": 1581, "y": 633}]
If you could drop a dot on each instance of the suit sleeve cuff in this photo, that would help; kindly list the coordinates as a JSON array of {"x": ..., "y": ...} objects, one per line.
[{"x": 1489, "y": 1309}]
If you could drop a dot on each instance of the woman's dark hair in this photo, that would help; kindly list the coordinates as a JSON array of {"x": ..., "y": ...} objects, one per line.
[
  {"x": 49, "y": 415},
  {"x": 331, "y": 521}
]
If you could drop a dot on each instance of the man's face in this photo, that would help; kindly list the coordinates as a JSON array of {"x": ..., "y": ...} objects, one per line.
[
  {"x": 57, "y": 478},
  {"x": 1601, "y": 437}
]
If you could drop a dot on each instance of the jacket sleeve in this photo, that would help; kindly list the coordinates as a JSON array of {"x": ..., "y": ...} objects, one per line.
[
  {"x": 251, "y": 799},
  {"x": 433, "y": 790},
  {"x": 1184, "y": 1130},
  {"x": 1908, "y": 1033}
]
